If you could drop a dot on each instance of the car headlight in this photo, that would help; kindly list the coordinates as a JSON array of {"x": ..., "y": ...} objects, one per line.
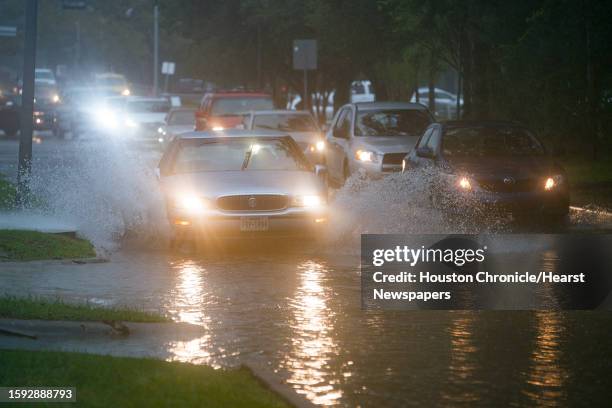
[
  {"x": 319, "y": 146},
  {"x": 310, "y": 201},
  {"x": 366, "y": 156},
  {"x": 553, "y": 182},
  {"x": 106, "y": 118},
  {"x": 218, "y": 128},
  {"x": 464, "y": 183},
  {"x": 55, "y": 98},
  {"x": 126, "y": 92},
  {"x": 191, "y": 203}
]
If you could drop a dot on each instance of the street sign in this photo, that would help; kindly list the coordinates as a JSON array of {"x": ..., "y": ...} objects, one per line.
[
  {"x": 74, "y": 4},
  {"x": 304, "y": 54},
  {"x": 168, "y": 68},
  {"x": 8, "y": 31}
]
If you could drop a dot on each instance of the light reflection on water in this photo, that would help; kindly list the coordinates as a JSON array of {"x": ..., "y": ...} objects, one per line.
[
  {"x": 463, "y": 365},
  {"x": 188, "y": 307},
  {"x": 546, "y": 375},
  {"x": 312, "y": 344}
]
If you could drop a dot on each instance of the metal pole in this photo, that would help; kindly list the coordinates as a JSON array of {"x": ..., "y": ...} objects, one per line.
[
  {"x": 155, "y": 47},
  {"x": 27, "y": 103},
  {"x": 305, "y": 104},
  {"x": 77, "y": 54}
]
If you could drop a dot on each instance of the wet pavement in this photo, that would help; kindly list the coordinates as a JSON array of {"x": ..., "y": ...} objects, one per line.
[
  {"x": 298, "y": 308},
  {"x": 301, "y": 314}
]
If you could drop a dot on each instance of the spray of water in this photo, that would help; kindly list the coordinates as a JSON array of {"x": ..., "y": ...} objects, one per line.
[{"x": 104, "y": 187}]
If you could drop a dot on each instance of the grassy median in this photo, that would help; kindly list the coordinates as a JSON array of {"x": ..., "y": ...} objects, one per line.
[
  {"x": 7, "y": 194},
  {"x": 33, "y": 245},
  {"x": 12, "y": 307},
  {"x": 103, "y": 381}
]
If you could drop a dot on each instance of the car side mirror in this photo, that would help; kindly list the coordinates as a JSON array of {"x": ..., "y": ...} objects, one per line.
[{"x": 425, "y": 152}]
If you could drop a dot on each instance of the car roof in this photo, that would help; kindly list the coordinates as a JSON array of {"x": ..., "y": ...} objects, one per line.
[
  {"x": 280, "y": 112},
  {"x": 240, "y": 94},
  {"x": 364, "y": 106},
  {"x": 182, "y": 108},
  {"x": 232, "y": 133}
]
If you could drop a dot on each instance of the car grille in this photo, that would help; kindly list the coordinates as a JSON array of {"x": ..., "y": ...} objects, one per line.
[
  {"x": 257, "y": 202},
  {"x": 516, "y": 186},
  {"x": 393, "y": 158}
]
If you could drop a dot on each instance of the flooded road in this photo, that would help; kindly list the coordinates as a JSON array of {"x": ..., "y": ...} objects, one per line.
[
  {"x": 301, "y": 315},
  {"x": 298, "y": 309}
]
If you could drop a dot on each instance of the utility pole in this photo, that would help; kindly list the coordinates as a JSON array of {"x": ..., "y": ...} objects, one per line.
[
  {"x": 27, "y": 103},
  {"x": 155, "y": 47}
]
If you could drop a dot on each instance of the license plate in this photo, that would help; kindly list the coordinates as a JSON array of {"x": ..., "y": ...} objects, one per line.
[{"x": 254, "y": 224}]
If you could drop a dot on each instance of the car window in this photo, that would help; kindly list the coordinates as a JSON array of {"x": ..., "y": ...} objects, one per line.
[
  {"x": 238, "y": 155},
  {"x": 490, "y": 141},
  {"x": 182, "y": 117},
  {"x": 285, "y": 122},
  {"x": 391, "y": 122},
  {"x": 425, "y": 138},
  {"x": 342, "y": 127},
  {"x": 235, "y": 106}
]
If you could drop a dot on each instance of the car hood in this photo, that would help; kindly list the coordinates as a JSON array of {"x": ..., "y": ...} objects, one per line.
[
  {"x": 147, "y": 117},
  {"x": 216, "y": 184},
  {"x": 177, "y": 129},
  {"x": 393, "y": 144},
  {"x": 516, "y": 167}
]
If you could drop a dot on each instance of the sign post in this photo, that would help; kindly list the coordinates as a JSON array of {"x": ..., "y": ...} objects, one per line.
[
  {"x": 168, "y": 68},
  {"x": 305, "y": 58}
]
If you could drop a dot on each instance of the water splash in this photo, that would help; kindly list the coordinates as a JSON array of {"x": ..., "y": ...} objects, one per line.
[{"x": 105, "y": 187}]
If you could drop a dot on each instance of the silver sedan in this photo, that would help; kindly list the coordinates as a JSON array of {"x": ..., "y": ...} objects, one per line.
[
  {"x": 374, "y": 137},
  {"x": 241, "y": 183}
]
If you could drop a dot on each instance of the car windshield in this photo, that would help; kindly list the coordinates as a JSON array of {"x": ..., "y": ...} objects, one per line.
[
  {"x": 234, "y": 106},
  {"x": 284, "y": 122},
  {"x": 148, "y": 106},
  {"x": 237, "y": 155},
  {"x": 183, "y": 117},
  {"x": 490, "y": 141},
  {"x": 391, "y": 122}
]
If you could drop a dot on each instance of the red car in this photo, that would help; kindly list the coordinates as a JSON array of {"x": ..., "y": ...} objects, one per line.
[{"x": 224, "y": 110}]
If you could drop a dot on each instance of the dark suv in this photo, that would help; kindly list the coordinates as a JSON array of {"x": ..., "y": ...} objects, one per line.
[
  {"x": 225, "y": 110},
  {"x": 493, "y": 166}
]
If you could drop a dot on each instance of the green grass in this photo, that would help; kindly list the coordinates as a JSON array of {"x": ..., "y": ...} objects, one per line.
[
  {"x": 32, "y": 245},
  {"x": 584, "y": 173},
  {"x": 103, "y": 381},
  {"x": 12, "y": 307},
  {"x": 7, "y": 194}
]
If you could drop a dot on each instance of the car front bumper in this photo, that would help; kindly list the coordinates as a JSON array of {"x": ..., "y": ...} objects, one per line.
[
  {"x": 291, "y": 222},
  {"x": 518, "y": 203}
]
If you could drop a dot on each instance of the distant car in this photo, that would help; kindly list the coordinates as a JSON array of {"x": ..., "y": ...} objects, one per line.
[
  {"x": 142, "y": 117},
  {"x": 112, "y": 83},
  {"x": 373, "y": 137},
  {"x": 446, "y": 102},
  {"x": 362, "y": 91},
  {"x": 496, "y": 166},
  {"x": 177, "y": 121},
  {"x": 224, "y": 110},
  {"x": 300, "y": 125},
  {"x": 45, "y": 75},
  {"x": 239, "y": 183}
]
